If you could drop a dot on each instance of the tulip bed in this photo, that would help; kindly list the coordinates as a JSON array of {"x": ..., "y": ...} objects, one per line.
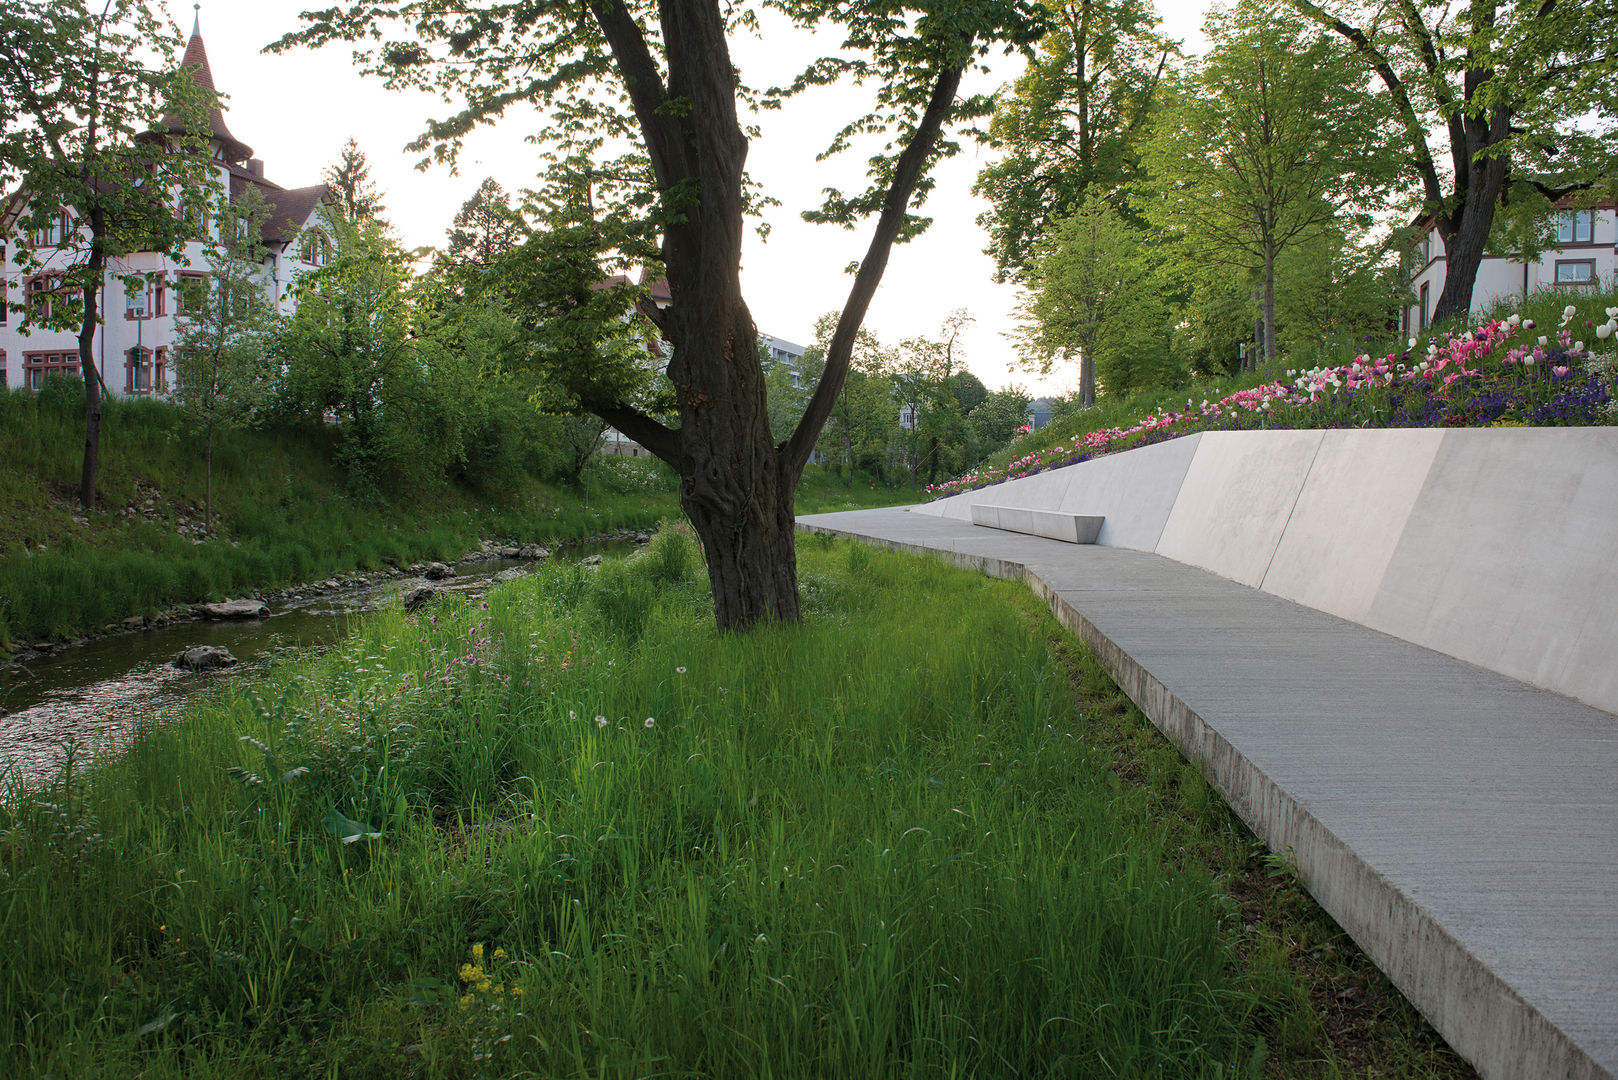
[{"x": 1504, "y": 373}]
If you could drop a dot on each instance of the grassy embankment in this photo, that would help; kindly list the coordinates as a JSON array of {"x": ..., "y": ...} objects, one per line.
[
  {"x": 281, "y": 514},
  {"x": 577, "y": 832}
]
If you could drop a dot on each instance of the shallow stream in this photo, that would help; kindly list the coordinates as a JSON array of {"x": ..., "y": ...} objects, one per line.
[{"x": 93, "y": 694}]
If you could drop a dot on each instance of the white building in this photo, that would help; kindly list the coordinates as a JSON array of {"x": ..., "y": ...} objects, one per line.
[
  {"x": 779, "y": 349},
  {"x": 1586, "y": 253},
  {"x": 133, "y": 344}
]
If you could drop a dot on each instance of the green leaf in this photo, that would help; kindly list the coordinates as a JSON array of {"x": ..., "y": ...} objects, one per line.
[{"x": 347, "y": 829}]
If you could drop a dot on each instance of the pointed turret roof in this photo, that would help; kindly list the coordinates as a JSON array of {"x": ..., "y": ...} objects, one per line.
[{"x": 196, "y": 62}]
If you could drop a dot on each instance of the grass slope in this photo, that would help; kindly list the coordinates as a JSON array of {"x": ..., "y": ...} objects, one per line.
[
  {"x": 281, "y": 514},
  {"x": 575, "y": 831}
]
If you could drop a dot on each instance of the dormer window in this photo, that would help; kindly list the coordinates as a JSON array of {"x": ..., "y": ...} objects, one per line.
[
  {"x": 315, "y": 249},
  {"x": 53, "y": 232}
]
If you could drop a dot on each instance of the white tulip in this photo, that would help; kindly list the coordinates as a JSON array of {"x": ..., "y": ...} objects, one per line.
[
  {"x": 1604, "y": 331},
  {"x": 1543, "y": 340},
  {"x": 1569, "y": 311},
  {"x": 1411, "y": 344}
]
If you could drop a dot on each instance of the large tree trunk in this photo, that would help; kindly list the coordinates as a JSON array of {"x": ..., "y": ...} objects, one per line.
[
  {"x": 1464, "y": 236},
  {"x": 747, "y": 541},
  {"x": 1465, "y": 231},
  {"x": 737, "y": 484}
]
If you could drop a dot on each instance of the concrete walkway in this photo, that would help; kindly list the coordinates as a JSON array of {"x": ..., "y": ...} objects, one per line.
[{"x": 1460, "y": 825}]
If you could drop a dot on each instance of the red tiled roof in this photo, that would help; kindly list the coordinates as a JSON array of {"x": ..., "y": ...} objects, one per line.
[
  {"x": 196, "y": 61},
  {"x": 659, "y": 288},
  {"x": 289, "y": 210}
]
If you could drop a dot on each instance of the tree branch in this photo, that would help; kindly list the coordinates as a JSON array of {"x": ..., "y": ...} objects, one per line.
[
  {"x": 1396, "y": 89},
  {"x": 907, "y": 171},
  {"x": 657, "y": 438},
  {"x": 646, "y": 90}
]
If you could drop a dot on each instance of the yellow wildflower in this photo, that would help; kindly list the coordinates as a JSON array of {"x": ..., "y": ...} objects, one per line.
[
  {"x": 477, "y": 952},
  {"x": 499, "y": 954},
  {"x": 470, "y": 973},
  {"x": 483, "y": 987}
]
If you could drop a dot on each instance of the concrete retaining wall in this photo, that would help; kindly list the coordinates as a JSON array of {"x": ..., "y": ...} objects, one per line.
[{"x": 1495, "y": 546}]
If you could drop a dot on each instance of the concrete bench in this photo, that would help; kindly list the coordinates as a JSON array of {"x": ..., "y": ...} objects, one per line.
[{"x": 1073, "y": 528}]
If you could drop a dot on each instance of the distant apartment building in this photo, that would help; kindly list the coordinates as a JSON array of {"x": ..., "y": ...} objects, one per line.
[
  {"x": 134, "y": 345},
  {"x": 1585, "y": 254}
]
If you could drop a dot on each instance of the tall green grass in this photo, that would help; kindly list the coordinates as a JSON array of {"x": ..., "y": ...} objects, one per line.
[{"x": 581, "y": 833}]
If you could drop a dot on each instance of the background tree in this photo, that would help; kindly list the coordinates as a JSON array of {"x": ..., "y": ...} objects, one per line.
[
  {"x": 1092, "y": 298},
  {"x": 864, "y": 416},
  {"x": 353, "y": 196},
  {"x": 486, "y": 229},
  {"x": 78, "y": 97},
  {"x": 994, "y": 422},
  {"x": 1519, "y": 92},
  {"x": 1268, "y": 141},
  {"x": 348, "y": 353},
  {"x": 931, "y": 398},
  {"x": 222, "y": 342},
  {"x": 1072, "y": 125},
  {"x": 1333, "y": 288},
  {"x": 663, "y": 75},
  {"x": 787, "y": 391}
]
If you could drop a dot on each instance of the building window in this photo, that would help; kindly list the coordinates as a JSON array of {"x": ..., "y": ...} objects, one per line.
[
  {"x": 160, "y": 296},
  {"x": 160, "y": 371},
  {"x": 5, "y": 374},
  {"x": 138, "y": 371},
  {"x": 195, "y": 216},
  {"x": 315, "y": 249},
  {"x": 1575, "y": 271},
  {"x": 53, "y": 232},
  {"x": 190, "y": 291},
  {"x": 41, "y": 295},
  {"x": 1425, "y": 286},
  {"x": 38, "y": 366},
  {"x": 1576, "y": 227}
]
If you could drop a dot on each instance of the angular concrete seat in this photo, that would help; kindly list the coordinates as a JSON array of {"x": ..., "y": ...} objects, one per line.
[{"x": 1073, "y": 528}]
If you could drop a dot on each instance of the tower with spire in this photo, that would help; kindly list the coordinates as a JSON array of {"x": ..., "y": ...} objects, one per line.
[{"x": 133, "y": 345}]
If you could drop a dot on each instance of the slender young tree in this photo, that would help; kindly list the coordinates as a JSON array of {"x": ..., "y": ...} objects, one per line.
[
  {"x": 223, "y": 340},
  {"x": 661, "y": 74},
  {"x": 1511, "y": 92},
  {"x": 93, "y": 179},
  {"x": 1072, "y": 125},
  {"x": 1092, "y": 298},
  {"x": 1269, "y": 141}
]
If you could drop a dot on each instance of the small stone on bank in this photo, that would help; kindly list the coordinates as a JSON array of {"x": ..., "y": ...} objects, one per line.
[
  {"x": 437, "y": 571},
  {"x": 235, "y": 609},
  {"x": 419, "y": 596}
]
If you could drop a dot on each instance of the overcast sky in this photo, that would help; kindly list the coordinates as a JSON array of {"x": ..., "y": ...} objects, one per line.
[{"x": 297, "y": 109}]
